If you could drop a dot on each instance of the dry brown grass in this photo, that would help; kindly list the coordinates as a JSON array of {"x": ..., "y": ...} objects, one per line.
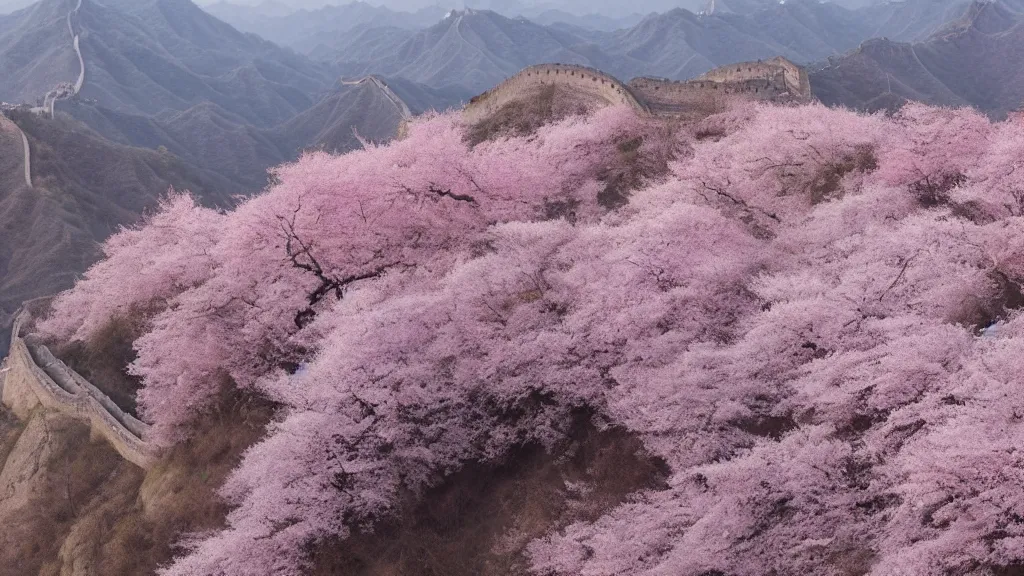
[
  {"x": 524, "y": 116},
  {"x": 982, "y": 310},
  {"x": 104, "y": 359},
  {"x": 179, "y": 495},
  {"x": 10, "y": 430},
  {"x": 66, "y": 470},
  {"x": 481, "y": 519},
  {"x": 827, "y": 181},
  {"x": 94, "y": 513}
]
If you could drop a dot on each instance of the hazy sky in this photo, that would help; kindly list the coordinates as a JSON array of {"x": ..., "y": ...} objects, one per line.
[
  {"x": 615, "y": 8},
  {"x": 608, "y": 7}
]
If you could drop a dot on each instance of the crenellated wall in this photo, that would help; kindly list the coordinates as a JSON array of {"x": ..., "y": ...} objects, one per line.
[
  {"x": 31, "y": 376},
  {"x": 587, "y": 83},
  {"x": 796, "y": 80},
  {"x": 777, "y": 79}
]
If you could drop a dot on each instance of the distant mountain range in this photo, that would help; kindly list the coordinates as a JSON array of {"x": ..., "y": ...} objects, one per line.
[
  {"x": 477, "y": 49},
  {"x": 680, "y": 44},
  {"x": 166, "y": 73},
  {"x": 303, "y": 29},
  {"x": 608, "y": 8},
  {"x": 155, "y": 56},
  {"x": 174, "y": 96},
  {"x": 974, "y": 61},
  {"x": 471, "y": 50}
]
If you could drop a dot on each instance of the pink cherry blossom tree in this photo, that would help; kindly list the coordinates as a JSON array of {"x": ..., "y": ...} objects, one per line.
[{"x": 811, "y": 316}]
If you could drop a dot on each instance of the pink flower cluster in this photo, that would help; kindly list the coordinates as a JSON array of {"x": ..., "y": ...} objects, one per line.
[{"x": 811, "y": 317}]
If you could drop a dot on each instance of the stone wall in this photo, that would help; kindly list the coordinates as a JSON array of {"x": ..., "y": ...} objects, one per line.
[
  {"x": 32, "y": 377},
  {"x": 672, "y": 98},
  {"x": 795, "y": 77},
  {"x": 777, "y": 79},
  {"x": 585, "y": 82}
]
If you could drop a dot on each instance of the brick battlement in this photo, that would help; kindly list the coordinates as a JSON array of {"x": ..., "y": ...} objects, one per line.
[
  {"x": 585, "y": 82},
  {"x": 774, "y": 80}
]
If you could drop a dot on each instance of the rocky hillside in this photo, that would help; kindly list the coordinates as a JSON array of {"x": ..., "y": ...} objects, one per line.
[
  {"x": 476, "y": 49},
  {"x": 73, "y": 506},
  {"x": 810, "y": 365}
]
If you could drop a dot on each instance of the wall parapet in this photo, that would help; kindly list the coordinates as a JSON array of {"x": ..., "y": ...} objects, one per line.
[
  {"x": 31, "y": 376},
  {"x": 795, "y": 77},
  {"x": 588, "y": 81},
  {"x": 777, "y": 80}
]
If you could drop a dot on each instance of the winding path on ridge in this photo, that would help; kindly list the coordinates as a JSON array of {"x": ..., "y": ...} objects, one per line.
[
  {"x": 403, "y": 108},
  {"x": 28, "y": 156},
  {"x": 78, "y": 50},
  {"x": 483, "y": 53},
  {"x": 50, "y": 101},
  {"x": 6, "y": 124}
]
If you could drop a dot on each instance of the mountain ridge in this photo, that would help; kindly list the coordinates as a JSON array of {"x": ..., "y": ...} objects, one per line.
[{"x": 951, "y": 67}]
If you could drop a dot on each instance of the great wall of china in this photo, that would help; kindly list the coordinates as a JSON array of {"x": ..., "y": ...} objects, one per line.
[
  {"x": 588, "y": 83},
  {"x": 386, "y": 91},
  {"x": 31, "y": 377},
  {"x": 66, "y": 90},
  {"x": 7, "y": 124},
  {"x": 61, "y": 92},
  {"x": 773, "y": 80}
]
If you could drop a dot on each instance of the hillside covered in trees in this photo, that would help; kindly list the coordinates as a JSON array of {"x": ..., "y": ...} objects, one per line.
[{"x": 806, "y": 321}]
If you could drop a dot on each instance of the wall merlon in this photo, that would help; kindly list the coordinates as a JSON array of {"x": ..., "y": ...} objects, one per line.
[
  {"x": 777, "y": 79},
  {"x": 585, "y": 81}
]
